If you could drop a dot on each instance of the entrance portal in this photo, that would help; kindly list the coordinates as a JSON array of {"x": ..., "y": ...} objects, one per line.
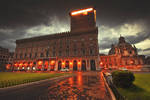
[
  {"x": 59, "y": 65},
  {"x": 75, "y": 68},
  {"x": 83, "y": 67},
  {"x": 93, "y": 67}
]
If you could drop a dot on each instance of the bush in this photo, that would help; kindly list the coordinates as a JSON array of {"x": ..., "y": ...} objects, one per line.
[{"x": 123, "y": 79}]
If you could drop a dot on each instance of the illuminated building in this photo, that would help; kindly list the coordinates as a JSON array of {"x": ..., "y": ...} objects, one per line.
[
  {"x": 122, "y": 55},
  {"x": 6, "y": 57},
  {"x": 76, "y": 50}
]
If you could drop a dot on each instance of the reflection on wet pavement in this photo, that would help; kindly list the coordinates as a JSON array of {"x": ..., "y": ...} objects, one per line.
[{"x": 84, "y": 86}]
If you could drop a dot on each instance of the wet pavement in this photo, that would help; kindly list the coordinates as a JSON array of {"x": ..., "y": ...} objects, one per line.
[{"x": 82, "y": 86}]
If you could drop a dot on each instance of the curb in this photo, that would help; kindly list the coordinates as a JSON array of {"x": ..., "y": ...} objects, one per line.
[
  {"x": 22, "y": 86},
  {"x": 108, "y": 88}
]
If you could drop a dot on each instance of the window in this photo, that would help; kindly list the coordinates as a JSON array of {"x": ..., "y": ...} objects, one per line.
[
  {"x": 82, "y": 44},
  {"x": 25, "y": 55},
  {"x": 60, "y": 44},
  {"x": 21, "y": 55},
  {"x": 16, "y": 56},
  {"x": 59, "y": 53},
  {"x": 75, "y": 52},
  {"x": 30, "y": 55},
  {"x": 91, "y": 51},
  {"x": 90, "y": 38},
  {"x": 67, "y": 52},
  {"x": 130, "y": 52},
  {"x": 82, "y": 39},
  {"x": 54, "y": 53},
  {"x": 35, "y": 55},
  {"x": 83, "y": 51},
  {"x": 47, "y": 54},
  {"x": 41, "y": 55}
]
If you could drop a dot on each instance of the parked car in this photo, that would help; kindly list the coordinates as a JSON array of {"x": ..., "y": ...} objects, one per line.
[
  {"x": 64, "y": 70},
  {"x": 123, "y": 69}
]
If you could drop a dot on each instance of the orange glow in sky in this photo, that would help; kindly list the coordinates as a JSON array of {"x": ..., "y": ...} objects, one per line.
[{"x": 81, "y": 11}]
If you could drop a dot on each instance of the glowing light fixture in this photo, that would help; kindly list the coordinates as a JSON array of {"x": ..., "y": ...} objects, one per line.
[
  {"x": 28, "y": 68},
  {"x": 79, "y": 63},
  {"x": 25, "y": 64},
  {"x": 70, "y": 63},
  {"x": 31, "y": 64},
  {"x": 84, "y": 11},
  {"x": 101, "y": 63},
  {"x": 63, "y": 63},
  {"x": 40, "y": 62},
  {"x": 33, "y": 68},
  {"x": 52, "y": 62},
  {"x": 8, "y": 66},
  {"x": 20, "y": 64},
  {"x": 16, "y": 64}
]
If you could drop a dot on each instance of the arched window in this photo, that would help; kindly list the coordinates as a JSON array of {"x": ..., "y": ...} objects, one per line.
[
  {"x": 47, "y": 54},
  {"x": 35, "y": 55},
  {"x": 41, "y": 55},
  {"x": 30, "y": 55}
]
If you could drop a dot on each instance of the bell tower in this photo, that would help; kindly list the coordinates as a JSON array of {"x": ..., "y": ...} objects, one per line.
[{"x": 83, "y": 19}]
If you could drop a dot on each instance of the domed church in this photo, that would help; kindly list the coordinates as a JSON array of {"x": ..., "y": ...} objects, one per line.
[{"x": 123, "y": 54}]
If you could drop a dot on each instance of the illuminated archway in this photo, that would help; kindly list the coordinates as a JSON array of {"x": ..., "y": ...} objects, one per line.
[
  {"x": 92, "y": 64},
  {"x": 83, "y": 67},
  {"x": 75, "y": 67},
  {"x": 59, "y": 65}
]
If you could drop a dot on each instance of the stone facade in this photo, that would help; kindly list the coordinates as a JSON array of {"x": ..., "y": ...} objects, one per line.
[
  {"x": 76, "y": 50},
  {"x": 6, "y": 57},
  {"x": 122, "y": 55}
]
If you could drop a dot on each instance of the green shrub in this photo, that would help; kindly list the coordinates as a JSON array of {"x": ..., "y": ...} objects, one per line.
[{"x": 123, "y": 79}]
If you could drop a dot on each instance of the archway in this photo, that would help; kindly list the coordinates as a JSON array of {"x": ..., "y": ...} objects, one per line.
[
  {"x": 59, "y": 65},
  {"x": 75, "y": 67},
  {"x": 93, "y": 67},
  {"x": 67, "y": 64},
  {"x": 83, "y": 67}
]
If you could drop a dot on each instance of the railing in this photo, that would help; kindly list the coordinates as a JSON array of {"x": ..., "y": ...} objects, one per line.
[{"x": 113, "y": 87}]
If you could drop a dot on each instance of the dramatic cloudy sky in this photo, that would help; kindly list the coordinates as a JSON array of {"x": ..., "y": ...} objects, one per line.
[{"x": 26, "y": 18}]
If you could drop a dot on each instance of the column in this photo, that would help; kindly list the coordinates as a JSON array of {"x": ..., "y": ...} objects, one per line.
[{"x": 56, "y": 66}]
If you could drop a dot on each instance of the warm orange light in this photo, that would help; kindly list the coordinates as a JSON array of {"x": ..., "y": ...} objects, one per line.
[
  {"x": 8, "y": 66},
  {"x": 84, "y": 11},
  {"x": 20, "y": 65},
  {"x": 70, "y": 63},
  {"x": 101, "y": 63},
  {"x": 63, "y": 63},
  {"x": 40, "y": 63},
  {"x": 31, "y": 64},
  {"x": 71, "y": 80},
  {"x": 79, "y": 79},
  {"x": 79, "y": 63},
  {"x": 25, "y": 64},
  {"x": 16, "y": 64},
  {"x": 52, "y": 62},
  {"x": 131, "y": 62},
  {"x": 46, "y": 62}
]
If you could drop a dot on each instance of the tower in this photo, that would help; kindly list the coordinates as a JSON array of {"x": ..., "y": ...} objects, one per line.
[{"x": 83, "y": 19}]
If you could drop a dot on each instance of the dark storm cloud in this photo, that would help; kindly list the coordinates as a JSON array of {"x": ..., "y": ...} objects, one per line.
[
  {"x": 19, "y": 15},
  {"x": 106, "y": 42},
  {"x": 138, "y": 38}
]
